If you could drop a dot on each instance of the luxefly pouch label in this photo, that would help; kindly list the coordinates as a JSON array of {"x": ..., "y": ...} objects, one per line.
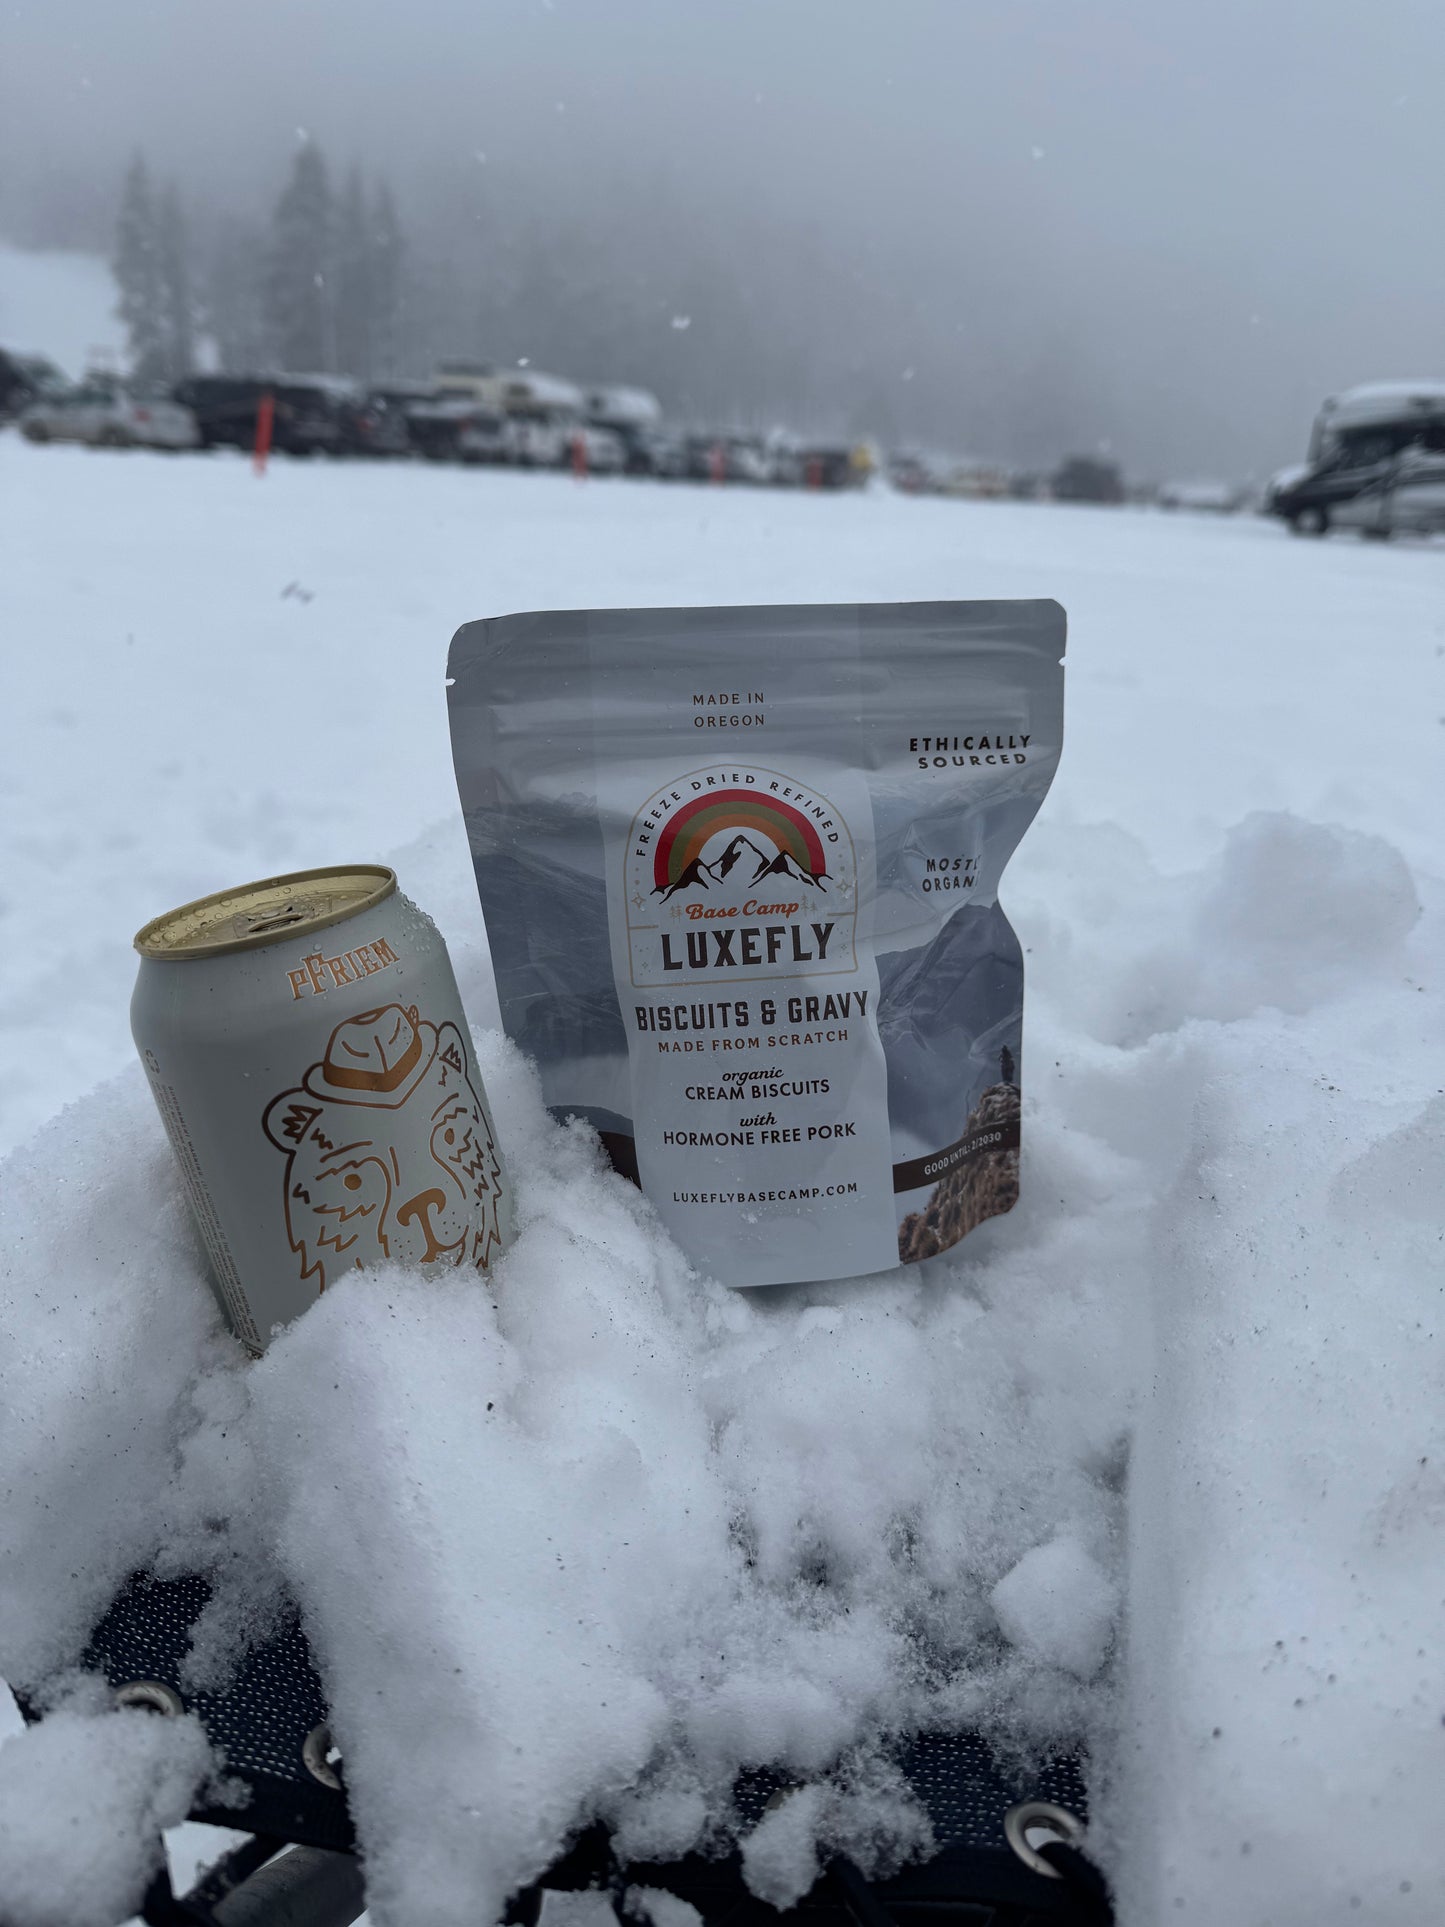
[{"x": 739, "y": 869}]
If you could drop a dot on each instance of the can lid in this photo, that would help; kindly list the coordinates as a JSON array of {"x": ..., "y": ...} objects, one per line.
[{"x": 275, "y": 910}]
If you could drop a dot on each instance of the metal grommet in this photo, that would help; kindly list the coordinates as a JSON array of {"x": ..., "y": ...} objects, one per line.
[
  {"x": 1042, "y": 1814},
  {"x": 780, "y": 1796},
  {"x": 152, "y": 1694},
  {"x": 322, "y": 1757}
]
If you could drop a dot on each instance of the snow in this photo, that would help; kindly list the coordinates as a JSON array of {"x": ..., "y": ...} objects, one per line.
[
  {"x": 1058, "y": 1605},
  {"x": 83, "y": 1798},
  {"x": 656, "y": 1907},
  {"x": 1386, "y": 401},
  {"x": 622, "y": 407},
  {"x": 583, "y": 1908},
  {"x": 60, "y": 305},
  {"x": 587, "y": 1545}
]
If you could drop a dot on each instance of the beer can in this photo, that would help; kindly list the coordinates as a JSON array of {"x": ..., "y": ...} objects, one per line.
[{"x": 307, "y": 1049}]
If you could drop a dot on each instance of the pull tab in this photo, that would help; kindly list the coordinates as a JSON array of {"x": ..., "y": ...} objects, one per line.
[{"x": 261, "y": 923}]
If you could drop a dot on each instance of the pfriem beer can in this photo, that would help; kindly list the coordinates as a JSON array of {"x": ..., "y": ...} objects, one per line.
[{"x": 307, "y": 1048}]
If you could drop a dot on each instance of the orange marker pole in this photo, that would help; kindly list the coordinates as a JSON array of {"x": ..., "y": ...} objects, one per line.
[
  {"x": 579, "y": 457},
  {"x": 265, "y": 420}
]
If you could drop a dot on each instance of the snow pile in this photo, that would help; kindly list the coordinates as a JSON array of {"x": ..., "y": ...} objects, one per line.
[
  {"x": 83, "y": 1799},
  {"x": 1289, "y": 1498},
  {"x": 655, "y": 1531},
  {"x": 101, "y": 1352},
  {"x": 590, "y": 1547},
  {"x": 596, "y": 1547}
]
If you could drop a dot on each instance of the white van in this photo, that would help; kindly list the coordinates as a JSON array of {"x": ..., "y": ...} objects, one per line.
[{"x": 1376, "y": 464}]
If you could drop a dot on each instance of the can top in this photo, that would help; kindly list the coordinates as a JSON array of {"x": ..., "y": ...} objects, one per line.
[{"x": 275, "y": 910}]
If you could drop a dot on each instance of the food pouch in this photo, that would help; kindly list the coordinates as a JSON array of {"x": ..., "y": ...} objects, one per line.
[{"x": 740, "y": 869}]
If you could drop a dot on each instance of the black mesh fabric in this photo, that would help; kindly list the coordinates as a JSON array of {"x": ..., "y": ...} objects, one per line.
[
  {"x": 261, "y": 1724},
  {"x": 967, "y": 1793}
]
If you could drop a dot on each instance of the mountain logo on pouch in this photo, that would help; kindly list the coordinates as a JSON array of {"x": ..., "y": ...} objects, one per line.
[{"x": 739, "y": 872}]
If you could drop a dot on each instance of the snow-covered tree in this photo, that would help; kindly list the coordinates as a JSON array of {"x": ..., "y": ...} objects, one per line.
[
  {"x": 178, "y": 300},
  {"x": 136, "y": 265},
  {"x": 367, "y": 280},
  {"x": 300, "y": 269},
  {"x": 235, "y": 293},
  {"x": 386, "y": 252},
  {"x": 354, "y": 294}
]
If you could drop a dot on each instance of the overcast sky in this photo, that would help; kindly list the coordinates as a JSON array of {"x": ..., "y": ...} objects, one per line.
[{"x": 1171, "y": 226}]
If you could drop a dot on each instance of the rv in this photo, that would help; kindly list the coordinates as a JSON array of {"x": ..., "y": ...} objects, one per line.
[
  {"x": 541, "y": 412},
  {"x": 1376, "y": 463}
]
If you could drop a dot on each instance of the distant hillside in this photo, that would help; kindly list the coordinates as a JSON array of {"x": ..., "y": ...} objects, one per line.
[{"x": 60, "y": 305}]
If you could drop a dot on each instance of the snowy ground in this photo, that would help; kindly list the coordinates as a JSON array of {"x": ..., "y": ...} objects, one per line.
[{"x": 1198, "y": 1368}]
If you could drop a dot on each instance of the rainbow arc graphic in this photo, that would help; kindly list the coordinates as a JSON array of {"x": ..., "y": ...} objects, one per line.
[{"x": 678, "y": 861}]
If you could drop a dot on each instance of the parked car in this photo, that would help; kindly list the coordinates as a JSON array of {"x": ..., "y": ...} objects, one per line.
[
  {"x": 538, "y": 437},
  {"x": 105, "y": 415},
  {"x": 376, "y": 424},
  {"x": 828, "y": 466},
  {"x": 1203, "y": 497},
  {"x": 610, "y": 405},
  {"x": 525, "y": 394},
  {"x": 785, "y": 458},
  {"x": 747, "y": 460},
  {"x": 653, "y": 451},
  {"x": 1084, "y": 478},
  {"x": 605, "y": 451},
  {"x": 637, "y": 448},
  {"x": 25, "y": 380},
  {"x": 1376, "y": 464},
  {"x": 466, "y": 380},
  {"x": 1404, "y": 495},
  {"x": 913, "y": 473},
  {"x": 705, "y": 456},
  {"x": 974, "y": 481},
  {"x": 311, "y": 414},
  {"x": 455, "y": 428}
]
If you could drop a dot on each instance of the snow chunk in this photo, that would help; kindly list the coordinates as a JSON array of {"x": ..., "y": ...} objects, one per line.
[
  {"x": 1301, "y": 909},
  {"x": 865, "y": 1810},
  {"x": 581, "y": 1908},
  {"x": 1058, "y": 1605},
  {"x": 658, "y": 1908},
  {"x": 83, "y": 1799},
  {"x": 780, "y": 1855},
  {"x": 106, "y": 1324},
  {"x": 1290, "y": 916}
]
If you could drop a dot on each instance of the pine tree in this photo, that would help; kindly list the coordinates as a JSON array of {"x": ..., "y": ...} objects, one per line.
[
  {"x": 386, "y": 253},
  {"x": 178, "y": 305},
  {"x": 354, "y": 318},
  {"x": 136, "y": 265},
  {"x": 368, "y": 254},
  {"x": 235, "y": 293},
  {"x": 300, "y": 291}
]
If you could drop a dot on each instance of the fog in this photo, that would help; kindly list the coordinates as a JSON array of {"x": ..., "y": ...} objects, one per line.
[{"x": 1014, "y": 227}]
